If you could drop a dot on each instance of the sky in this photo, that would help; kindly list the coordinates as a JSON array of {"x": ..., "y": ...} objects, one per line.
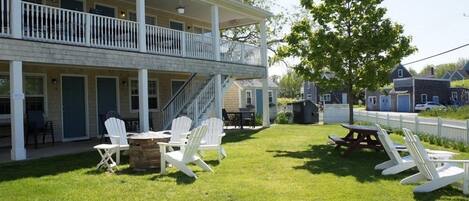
[{"x": 435, "y": 26}]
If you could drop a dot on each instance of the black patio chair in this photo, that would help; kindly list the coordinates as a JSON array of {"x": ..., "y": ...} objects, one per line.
[
  {"x": 227, "y": 121},
  {"x": 248, "y": 116},
  {"x": 38, "y": 125}
]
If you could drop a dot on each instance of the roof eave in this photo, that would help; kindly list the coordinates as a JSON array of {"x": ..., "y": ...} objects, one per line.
[{"x": 243, "y": 8}]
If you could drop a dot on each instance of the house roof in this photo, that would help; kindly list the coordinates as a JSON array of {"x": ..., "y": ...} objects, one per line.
[
  {"x": 254, "y": 83},
  {"x": 447, "y": 75}
]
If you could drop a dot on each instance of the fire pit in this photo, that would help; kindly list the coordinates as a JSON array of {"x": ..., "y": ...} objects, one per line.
[{"x": 144, "y": 152}]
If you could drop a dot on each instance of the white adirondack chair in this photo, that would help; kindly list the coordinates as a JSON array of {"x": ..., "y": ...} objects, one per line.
[
  {"x": 396, "y": 163},
  {"x": 212, "y": 141},
  {"x": 180, "y": 128},
  {"x": 187, "y": 154},
  {"x": 117, "y": 134},
  {"x": 435, "y": 177}
]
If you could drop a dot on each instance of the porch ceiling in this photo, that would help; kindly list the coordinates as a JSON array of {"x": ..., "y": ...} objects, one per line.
[{"x": 232, "y": 12}]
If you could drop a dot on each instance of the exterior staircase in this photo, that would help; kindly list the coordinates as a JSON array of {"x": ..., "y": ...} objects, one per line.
[{"x": 195, "y": 99}]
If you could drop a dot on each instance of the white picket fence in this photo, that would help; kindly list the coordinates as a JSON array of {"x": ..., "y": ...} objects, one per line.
[
  {"x": 336, "y": 113},
  {"x": 445, "y": 128}
]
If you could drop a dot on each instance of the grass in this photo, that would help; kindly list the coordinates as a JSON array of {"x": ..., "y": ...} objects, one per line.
[
  {"x": 460, "y": 83},
  {"x": 460, "y": 113},
  {"x": 285, "y": 162}
]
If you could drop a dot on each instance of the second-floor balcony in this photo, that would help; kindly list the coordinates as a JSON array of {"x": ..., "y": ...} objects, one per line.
[{"x": 59, "y": 25}]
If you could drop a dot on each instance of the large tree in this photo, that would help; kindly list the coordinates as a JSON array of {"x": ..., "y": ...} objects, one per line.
[
  {"x": 290, "y": 85},
  {"x": 350, "y": 39}
]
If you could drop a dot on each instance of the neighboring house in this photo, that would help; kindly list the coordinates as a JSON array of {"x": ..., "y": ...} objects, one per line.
[
  {"x": 76, "y": 66},
  {"x": 399, "y": 72},
  {"x": 408, "y": 92},
  {"x": 310, "y": 91},
  {"x": 459, "y": 96},
  {"x": 248, "y": 94},
  {"x": 447, "y": 75},
  {"x": 460, "y": 74}
]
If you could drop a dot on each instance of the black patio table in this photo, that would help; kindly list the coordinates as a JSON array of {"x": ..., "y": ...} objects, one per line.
[{"x": 241, "y": 116}]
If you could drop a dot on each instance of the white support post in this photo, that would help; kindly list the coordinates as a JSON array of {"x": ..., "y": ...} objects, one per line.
[
  {"x": 216, "y": 32},
  {"x": 417, "y": 121},
  {"x": 16, "y": 17},
  {"x": 18, "y": 152},
  {"x": 439, "y": 124},
  {"x": 400, "y": 121},
  {"x": 467, "y": 131},
  {"x": 183, "y": 44},
  {"x": 265, "y": 81},
  {"x": 142, "y": 29},
  {"x": 88, "y": 29},
  {"x": 218, "y": 96},
  {"x": 143, "y": 100}
]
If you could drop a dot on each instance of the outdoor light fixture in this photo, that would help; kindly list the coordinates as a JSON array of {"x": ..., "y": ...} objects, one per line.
[
  {"x": 54, "y": 81},
  {"x": 180, "y": 10},
  {"x": 122, "y": 13}
]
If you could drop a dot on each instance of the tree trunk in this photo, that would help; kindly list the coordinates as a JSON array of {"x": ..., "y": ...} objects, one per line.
[{"x": 350, "y": 103}]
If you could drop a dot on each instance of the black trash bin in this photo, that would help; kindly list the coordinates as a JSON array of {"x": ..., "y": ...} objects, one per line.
[{"x": 305, "y": 112}]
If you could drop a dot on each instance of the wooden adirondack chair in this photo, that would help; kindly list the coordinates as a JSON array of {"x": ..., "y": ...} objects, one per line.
[
  {"x": 398, "y": 164},
  {"x": 187, "y": 154},
  {"x": 435, "y": 177},
  {"x": 212, "y": 141},
  {"x": 179, "y": 130},
  {"x": 117, "y": 134}
]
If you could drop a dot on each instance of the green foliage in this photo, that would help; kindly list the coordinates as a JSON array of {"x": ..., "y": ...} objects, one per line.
[
  {"x": 290, "y": 85},
  {"x": 259, "y": 120},
  {"x": 350, "y": 39},
  {"x": 413, "y": 72},
  {"x": 285, "y": 101},
  {"x": 441, "y": 69},
  {"x": 461, "y": 113},
  {"x": 283, "y": 117},
  {"x": 460, "y": 83}
]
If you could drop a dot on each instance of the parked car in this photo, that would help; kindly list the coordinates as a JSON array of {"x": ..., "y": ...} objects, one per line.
[{"x": 429, "y": 106}]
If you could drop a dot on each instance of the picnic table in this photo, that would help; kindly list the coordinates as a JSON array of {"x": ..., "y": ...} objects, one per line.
[{"x": 366, "y": 137}]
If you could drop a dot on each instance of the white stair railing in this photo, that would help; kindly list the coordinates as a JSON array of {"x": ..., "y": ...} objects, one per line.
[
  {"x": 4, "y": 17},
  {"x": 201, "y": 102},
  {"x": 180, "y": 100}
]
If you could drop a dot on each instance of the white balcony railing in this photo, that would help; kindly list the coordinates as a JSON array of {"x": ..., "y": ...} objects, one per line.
[
  {"x": 4, "y": 17},
  {"x": 52, "y": 24}
]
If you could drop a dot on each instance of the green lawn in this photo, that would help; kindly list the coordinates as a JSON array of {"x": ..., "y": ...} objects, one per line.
[
  {"x": 459, "y": 113},
  {"x": 460, "y": 83},
  {"x": 285, "y": 162}
]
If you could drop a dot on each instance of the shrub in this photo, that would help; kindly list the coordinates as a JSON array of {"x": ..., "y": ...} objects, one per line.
[
  {"x": 259, "y": 120},
  {"x": 283, "y": 117}
]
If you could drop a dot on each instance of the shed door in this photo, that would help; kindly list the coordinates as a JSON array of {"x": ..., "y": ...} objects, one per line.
[
  {"x": 259, "y": 102},
  {"x": 385, "y": 103},
  {"x": 403, "y": 103}
]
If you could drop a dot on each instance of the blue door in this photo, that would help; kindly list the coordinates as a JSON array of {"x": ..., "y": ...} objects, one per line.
[
  {"x": 73, "y": 107},
  {"x": 385, "y": 103},
  {"x": 107, "y": 99},
  {"x": 436, "y": 99},
  {"x": 403, "y": 103},
  {"x": 259, "y": 102}
]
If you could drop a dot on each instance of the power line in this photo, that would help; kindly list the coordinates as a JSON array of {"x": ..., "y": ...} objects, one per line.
[{"x": 439, "y": 54}]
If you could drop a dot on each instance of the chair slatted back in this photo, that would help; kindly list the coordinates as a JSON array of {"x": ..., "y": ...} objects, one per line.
[
  {"x": 116, "y": 128},
  {"x": 179, "y": 126},
  {"x": 420, "y": 156},
  {"x": 215, "y": 130},
  {"x": 388, "y": 145},
  {"x": 36, "y": 119},
  {"x": 193, "y": 143}
]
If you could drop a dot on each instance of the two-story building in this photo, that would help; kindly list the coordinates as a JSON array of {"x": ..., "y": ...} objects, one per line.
[{"x": 76, "y": 60}]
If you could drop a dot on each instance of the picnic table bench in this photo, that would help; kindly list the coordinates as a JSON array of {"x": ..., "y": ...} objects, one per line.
[{"x": 366, "y": 137}]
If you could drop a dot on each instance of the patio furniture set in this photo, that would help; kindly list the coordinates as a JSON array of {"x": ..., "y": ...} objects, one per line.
[
  {"x": 436, "y": 169},
  {"x": 153, "y": 150}
]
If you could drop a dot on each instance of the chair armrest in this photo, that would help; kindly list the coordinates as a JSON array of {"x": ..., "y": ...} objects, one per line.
[
  {"x": 186, "y": 133},
  {"x": 170, "y": 145},
  {"x": 450, "y": 161},
  {"x": 440, "y": 152},
  {"x": 223, "y": 134}
]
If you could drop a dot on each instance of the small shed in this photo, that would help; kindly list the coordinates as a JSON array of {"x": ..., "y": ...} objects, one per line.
[{"x": 305, "y": 112}]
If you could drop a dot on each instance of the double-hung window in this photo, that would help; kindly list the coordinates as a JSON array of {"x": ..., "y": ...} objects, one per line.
[
  {"x": 400, "y": 73},
  {"x": 248, "y": 97},
  {"x": 34, "y": 90},
  {"x": 150, "y": 20},
  {"x": 423, "y": 98},
  {"x": 153, "y": 102},
  {"x": 271, "y": 97}
]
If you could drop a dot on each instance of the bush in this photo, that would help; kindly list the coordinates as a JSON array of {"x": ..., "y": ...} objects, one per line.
[
  {"x": 259, "y": 120},
  {"x": 283, "y": 117},
  {"x": 451, "y": 112}
]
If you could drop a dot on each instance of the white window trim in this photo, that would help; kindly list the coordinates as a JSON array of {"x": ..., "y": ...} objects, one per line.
[
  {"x": 45, "y": 96},
  {"x": 400, "y": 73},
  {"x": 374, "y": 100},
  {"x": 149, "y": 96},
  {"x": 177, "y": 21},
  {"x": 246, "y": 99},
  {"x": 268, "y": 96},
  {"x": 326, "y": 97},
  {"x": 422, "y": 99},
  {"x": 453, "y": 95}
]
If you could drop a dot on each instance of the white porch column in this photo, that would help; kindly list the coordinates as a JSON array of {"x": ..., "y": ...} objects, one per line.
[
  {"x": 216, "y": 32},
  {"x": 18, "y": 152},
  {"x": 15, "y": 17},
  {"x": 218, "y": 96},
  {"x": 265, "y": 83},
  {"x": 143, "y": 100},
  {"x": 142, "y": 29}
]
